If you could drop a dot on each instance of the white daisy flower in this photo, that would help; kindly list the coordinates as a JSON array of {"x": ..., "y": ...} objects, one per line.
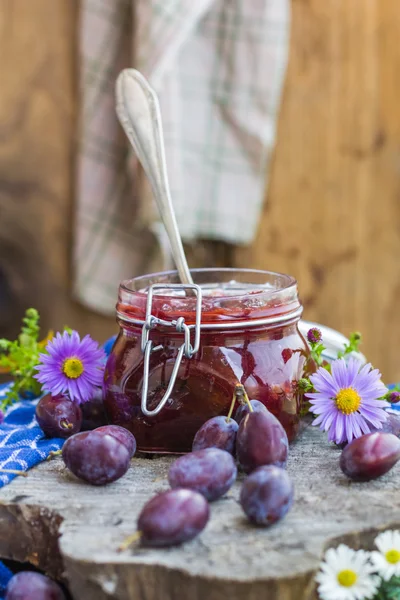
[
  {"x": 387, "y": 561},
  {"x": 346, "y": 575}
]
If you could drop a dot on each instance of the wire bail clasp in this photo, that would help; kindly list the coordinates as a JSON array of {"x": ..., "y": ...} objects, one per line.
[{"x": 186, "y": 349}]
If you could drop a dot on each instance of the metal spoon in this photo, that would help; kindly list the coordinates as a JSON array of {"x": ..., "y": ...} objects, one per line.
[
  {"x": 139, "y": 113},
  {"x": 138, "y": 110}
]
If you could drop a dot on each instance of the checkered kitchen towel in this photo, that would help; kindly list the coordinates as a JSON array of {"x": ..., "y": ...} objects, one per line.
[
  {"x": 218, "y": 67},
  {"x": 22, "y": 443}
]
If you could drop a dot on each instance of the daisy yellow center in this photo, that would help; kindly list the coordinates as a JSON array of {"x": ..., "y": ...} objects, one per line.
[
  {"x": 347, "y": 400},
  {"x": 72, "y": 368},
  {"x": 347, "y": 578},
  {"x": 392, "y": 556}
]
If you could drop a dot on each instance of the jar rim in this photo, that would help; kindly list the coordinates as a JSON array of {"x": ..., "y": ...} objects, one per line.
[
  {"x": 289, "y": 280},
  {"x": 265, "y": 296}
]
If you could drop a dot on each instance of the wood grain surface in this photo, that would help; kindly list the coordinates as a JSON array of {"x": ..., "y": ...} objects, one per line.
[
  {"x": 332, "y": 215},
  {"x": 38, "y": 106}
]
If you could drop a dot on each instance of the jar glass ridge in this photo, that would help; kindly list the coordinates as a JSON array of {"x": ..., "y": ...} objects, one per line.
[{"x": 249, "y": 335}]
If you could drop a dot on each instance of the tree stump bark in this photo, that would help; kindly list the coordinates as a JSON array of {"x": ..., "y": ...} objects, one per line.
[{"x": 72, "y": 531}]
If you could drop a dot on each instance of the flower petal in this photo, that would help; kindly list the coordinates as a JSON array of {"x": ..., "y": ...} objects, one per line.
[{"x": 340, "y": 373}]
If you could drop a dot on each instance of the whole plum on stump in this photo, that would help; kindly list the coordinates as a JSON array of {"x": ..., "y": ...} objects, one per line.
[
  {"x": 210, "y": 472},
  {"x": 370, "y": 456},
  {"x": 218, "y": 432},
  {"x": 261, "y": 440},
  {"x": 266, "y": 495},
  {"x": 173, "y": 517},
  {"x": 97, "y": 458},
  {"x": 58, "y": 416}
]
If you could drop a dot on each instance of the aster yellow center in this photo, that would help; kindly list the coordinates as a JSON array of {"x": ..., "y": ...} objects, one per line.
[
  {"x": 392, "y": 556},
  {"x": 72, "y": 368},
  {"x": 347, "y": 400},
  {"x": 347, "y": 578}
]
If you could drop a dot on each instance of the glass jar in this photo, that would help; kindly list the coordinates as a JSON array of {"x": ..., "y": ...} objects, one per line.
[{"x": 162, "y": 387}]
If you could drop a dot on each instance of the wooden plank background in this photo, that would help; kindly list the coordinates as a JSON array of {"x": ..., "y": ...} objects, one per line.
[
  {"x": 332, "y": 216},
  {"x": 38, "y": 103}
]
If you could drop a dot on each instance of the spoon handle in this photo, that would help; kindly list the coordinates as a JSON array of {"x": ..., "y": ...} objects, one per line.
[{"x": 139, "y": 113}]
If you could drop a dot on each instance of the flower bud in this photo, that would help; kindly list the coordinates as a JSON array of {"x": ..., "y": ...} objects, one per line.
[{"x": 314, "y": 335}]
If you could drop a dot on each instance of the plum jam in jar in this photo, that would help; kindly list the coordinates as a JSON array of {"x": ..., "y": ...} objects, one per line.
[{"x": 182, "y": 350}]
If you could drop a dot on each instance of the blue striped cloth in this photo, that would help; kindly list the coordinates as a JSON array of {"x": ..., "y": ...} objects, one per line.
[{"x": 22, "y": 442}]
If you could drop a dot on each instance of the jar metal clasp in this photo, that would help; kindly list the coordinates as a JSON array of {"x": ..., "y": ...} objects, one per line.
[{"x": 186, "y": 349}]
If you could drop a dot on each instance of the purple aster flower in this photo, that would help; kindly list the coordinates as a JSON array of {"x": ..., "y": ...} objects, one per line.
[
  {"x": 72, "y": 366},
  {"x": 314, "y": 335},
  {"x": 347, "y": 400}
]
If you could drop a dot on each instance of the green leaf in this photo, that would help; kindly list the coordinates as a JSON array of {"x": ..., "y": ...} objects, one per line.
[
  {"x": 4, "y": 344},
  {"x": 393, "y": 593},
  {"x": 316, "y": 351},
  {"x": 352, "y": 346},
  {"x": 389, "y": 590},
  {"x": 305, "y": 385},
  {"x": 20, "y": 357},
  {"x": 393, "y": 589}
]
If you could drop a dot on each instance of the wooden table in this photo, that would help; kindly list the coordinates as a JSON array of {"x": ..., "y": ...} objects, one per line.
[{"x": 72, "y": 530}]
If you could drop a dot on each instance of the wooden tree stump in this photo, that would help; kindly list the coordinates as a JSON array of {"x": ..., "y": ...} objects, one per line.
[{"x": 72, "y": 531}]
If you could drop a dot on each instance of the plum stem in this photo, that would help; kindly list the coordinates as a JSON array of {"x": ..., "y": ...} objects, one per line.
[
  {"x": 14, "y": 472},
  {"x": 128, "y": 541},
  {"x": 242, "y": 396},
  {"x": 229, "y": 415},
  {"x": 54, "y": 453},
  {"x": 246, "y": 398}
]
